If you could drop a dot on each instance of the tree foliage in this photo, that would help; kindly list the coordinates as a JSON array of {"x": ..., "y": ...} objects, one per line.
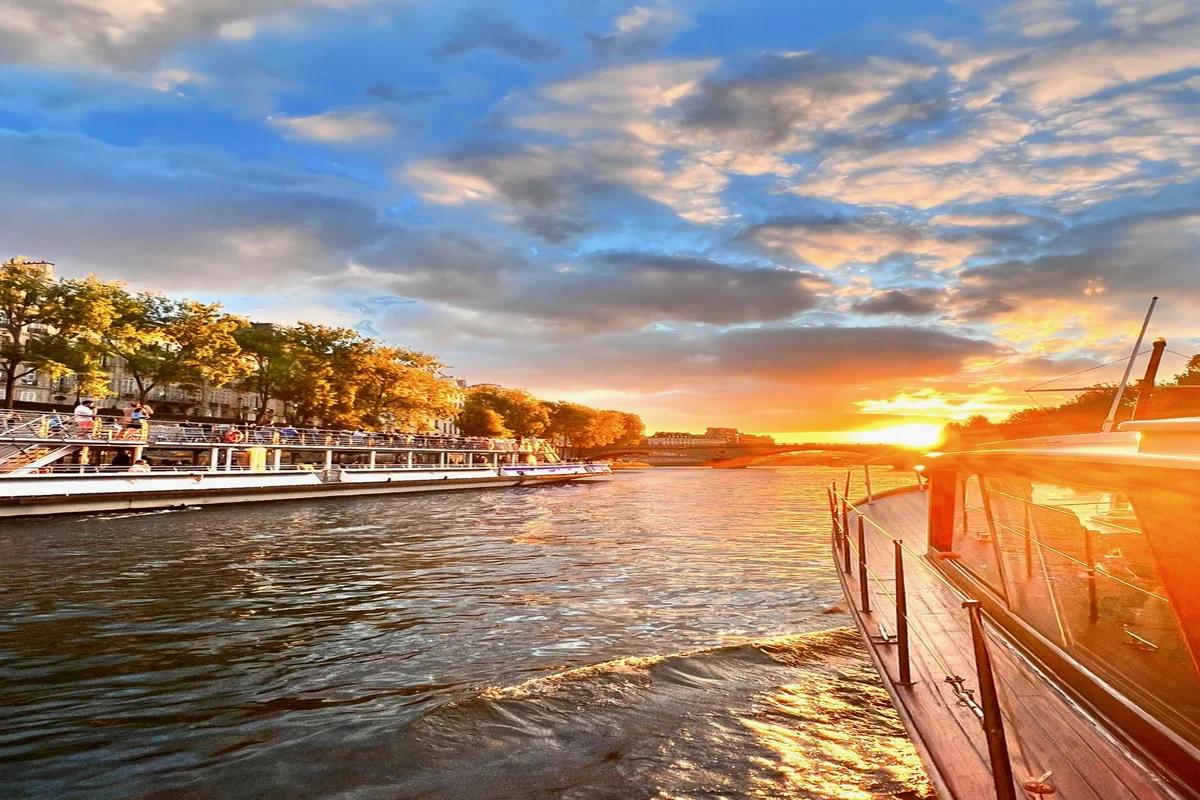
[
  {"x": 49, "y": 326},
  {"x": 479, "y": 420},
  {"x": 1083, "y": 413},
  {"x": 520, "y": 412},
  {"x": 166, "y": 342}
]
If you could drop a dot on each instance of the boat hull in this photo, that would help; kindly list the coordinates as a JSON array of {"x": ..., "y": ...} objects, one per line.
[{"x": 44, "y": 495}]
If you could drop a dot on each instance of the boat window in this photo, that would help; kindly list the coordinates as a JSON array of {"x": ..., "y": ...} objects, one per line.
[
  {"x": 972, "y": 542},
  {"x": 1077, "y": 567}
]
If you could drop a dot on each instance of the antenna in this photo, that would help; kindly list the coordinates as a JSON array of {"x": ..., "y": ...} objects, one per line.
[{"x": 1112, "y": 410}]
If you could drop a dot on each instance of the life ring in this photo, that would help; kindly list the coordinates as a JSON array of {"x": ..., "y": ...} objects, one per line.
[{"x": 234, "y": 436}]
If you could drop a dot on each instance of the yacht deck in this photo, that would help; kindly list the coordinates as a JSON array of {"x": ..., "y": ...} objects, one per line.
[{"x": 1045, "y": 730}]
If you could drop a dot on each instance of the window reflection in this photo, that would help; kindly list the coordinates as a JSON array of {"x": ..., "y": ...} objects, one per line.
[{"x": 1074, "y": 563}]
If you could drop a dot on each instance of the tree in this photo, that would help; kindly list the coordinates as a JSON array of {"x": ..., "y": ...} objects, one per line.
[
  {"x": 482, "y": 421},
  {"x": 402, "y": 387},
  {"x": 1191, "y": 373},
  {"x": 267, "y": 351},
  {"x": 48, "y": 325},
  {"x": 522, "y": 413},
  {"x": 323, "y": 382},
  {"x": 570, "y": 425},
  {"x": 166, "y": 342},
  {"x": 633, "y": 430}
]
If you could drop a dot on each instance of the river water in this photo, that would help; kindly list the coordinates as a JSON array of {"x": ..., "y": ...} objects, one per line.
[{"x": 665, "y": 635}]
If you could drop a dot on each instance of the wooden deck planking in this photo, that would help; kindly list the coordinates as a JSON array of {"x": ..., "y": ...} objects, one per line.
[{"x": 1044, "y": 730}]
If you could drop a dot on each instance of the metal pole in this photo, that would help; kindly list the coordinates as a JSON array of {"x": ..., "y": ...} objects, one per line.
[
  {"x": 867, "y": 478},
  {"x": 832, "y": 511},
  {"x": 846, "y": 552},
  {"x": 864, "y": 591},
  {"x": 902, "y": 617},
  {"x": 993, "y": 722},
  {"x": 1146, "y": 387},
  {"x": 1112, "y": 411}
]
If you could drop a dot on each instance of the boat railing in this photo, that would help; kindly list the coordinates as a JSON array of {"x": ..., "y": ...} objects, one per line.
[
  {"x": 987, "y": 707},
  {"x": 200, "y": 469},
  {"x": 63, "y": 427}
]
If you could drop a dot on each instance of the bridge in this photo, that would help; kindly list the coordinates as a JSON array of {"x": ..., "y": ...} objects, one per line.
[{"x": 739, "y": 456}]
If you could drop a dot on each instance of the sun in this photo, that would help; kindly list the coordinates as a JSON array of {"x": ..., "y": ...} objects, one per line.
[{"x": 912, "y": 434}]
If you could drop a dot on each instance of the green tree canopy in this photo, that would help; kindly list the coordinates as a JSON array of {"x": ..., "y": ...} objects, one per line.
[
  {"x": 166, "y": 342},
  {"x": 50, "y": 326}
]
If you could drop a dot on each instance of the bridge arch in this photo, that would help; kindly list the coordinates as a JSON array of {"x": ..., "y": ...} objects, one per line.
[{"x": 735, "y": 456}]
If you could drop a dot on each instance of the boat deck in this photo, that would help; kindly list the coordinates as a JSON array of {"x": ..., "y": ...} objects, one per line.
[{"x": 1045, "y": 730}]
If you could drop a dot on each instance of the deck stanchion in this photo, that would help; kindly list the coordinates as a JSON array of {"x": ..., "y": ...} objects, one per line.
[
  {"x": 1093, "y": 601},
  {"x": 845, "y": 516},
  {"x": 993, "y": 722},
  {"x": 902, "y": 658},
  {"x": 864, "y": 590},
  {"x": 867, "y": 480},
  {"x": 845, "y": 551}
]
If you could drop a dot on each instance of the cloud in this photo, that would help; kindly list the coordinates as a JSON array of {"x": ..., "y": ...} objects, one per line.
[
  {"x": 611, "y": 291},
  {"x": 544, "y": 191},
  {"x": 763, "y": 361},
  {"x": 337, "y": 127},
  {"x": 1101, "y": 259},
  {"x": 487, "y": 29},
  {"x": 169, "y": 80},
  {"x": 997, "y": 219},
  {"x": 838, "y": 242},
  {"x": 176, "y": 219},
  {"x": 793, "y": 99},
  {"x": 913, "y": 302},
  {"x": 129, "y": 35},
  {"x": 641, "y": 30},
  {"x": 619, "y": 291}
]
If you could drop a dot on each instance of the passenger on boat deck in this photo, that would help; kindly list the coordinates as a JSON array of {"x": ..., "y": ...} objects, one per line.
[
  {"x": 85, "y": 417},
  {"x": 139, "y": 466},
  {"x": 123, "y": 458}
]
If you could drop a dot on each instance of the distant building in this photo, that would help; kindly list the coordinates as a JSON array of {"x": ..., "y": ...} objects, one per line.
[{"x": 711, "y": 436}]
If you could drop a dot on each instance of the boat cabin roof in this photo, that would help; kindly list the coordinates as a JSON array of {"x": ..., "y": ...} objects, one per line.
[{"x": 1170, "y": 443}]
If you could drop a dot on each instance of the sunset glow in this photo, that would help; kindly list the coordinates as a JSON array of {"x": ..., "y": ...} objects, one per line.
[{"x": 913, "y": 434}]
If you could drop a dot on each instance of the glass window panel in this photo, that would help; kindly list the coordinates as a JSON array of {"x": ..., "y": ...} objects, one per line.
[
  {"x": 973, "y": 539},
  {"x": 1078, "y": 568}
]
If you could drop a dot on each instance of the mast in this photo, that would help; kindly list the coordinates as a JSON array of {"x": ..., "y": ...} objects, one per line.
[
  {"x": 1146, "y": 385},
  {"x": 1116, "y": 403}
]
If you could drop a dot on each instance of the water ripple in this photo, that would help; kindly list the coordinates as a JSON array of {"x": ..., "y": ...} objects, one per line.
[{"x": 238, "y": 648}]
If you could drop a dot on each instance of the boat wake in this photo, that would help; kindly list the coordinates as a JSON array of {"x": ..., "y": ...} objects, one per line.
[
  {"x": 132, "y": 514},
  {"x": 789, "y": 717}
]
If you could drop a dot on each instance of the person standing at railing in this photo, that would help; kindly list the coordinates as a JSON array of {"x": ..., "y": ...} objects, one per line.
[
  {"x": 141, "y": 415},
  {"x": 85, "y": 418}
]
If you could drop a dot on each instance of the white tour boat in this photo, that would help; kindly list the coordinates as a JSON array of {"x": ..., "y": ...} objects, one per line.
[{"x": 49, "y": 464}]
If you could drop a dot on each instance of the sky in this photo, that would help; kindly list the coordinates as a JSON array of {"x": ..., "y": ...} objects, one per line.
[{"x": 789, "y": 216}]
